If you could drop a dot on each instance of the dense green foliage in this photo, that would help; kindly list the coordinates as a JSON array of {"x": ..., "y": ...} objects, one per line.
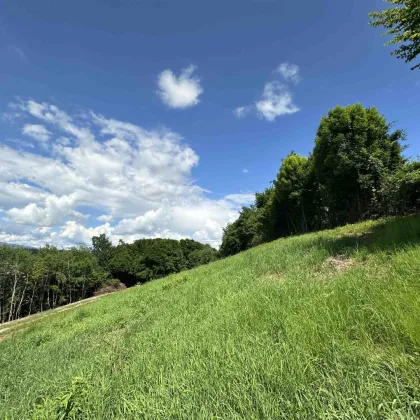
[
  {"x": 33, "y": 281},
  {"x": 355, "y": 172},
  {"x": 37, "y": 280},
  {"x": 323, "y": 325},
  {"x": 148, "y": 259},
  {"x": 403, "y": 23}
]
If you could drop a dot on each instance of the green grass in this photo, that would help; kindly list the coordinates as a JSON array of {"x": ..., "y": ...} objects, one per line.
[{"x": 275, "y": 332}]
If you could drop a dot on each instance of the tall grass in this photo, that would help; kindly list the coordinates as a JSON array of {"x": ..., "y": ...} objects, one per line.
[{"x": 325, "y": 325}]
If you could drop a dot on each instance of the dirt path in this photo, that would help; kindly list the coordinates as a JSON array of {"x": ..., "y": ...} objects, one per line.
[{"x": 7, "y": 328}]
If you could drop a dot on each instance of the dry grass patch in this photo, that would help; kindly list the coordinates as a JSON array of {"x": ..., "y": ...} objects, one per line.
[
  {"x": 274, "y": 277},
  {"x": 333, "y": 266},
  {"x": 339, "y": 263}
]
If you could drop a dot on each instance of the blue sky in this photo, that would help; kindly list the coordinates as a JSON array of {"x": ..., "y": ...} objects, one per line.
[{"x": 73, "y": 73}]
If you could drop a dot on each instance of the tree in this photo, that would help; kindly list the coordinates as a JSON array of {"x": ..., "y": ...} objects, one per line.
[
  {"x": 244, "y": 233},
  {"x": 197, "y": 253},
  {"x": 354, "y": 151},
  {"x": 400, "y": 193},
  {"x": 102, "y": 250},
  {"x": 403, "y": 22},
  {"x": 287, "y": 207},
  {"x": 158, "y": 258}
]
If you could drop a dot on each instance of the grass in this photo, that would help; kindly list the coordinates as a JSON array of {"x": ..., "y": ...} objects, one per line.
[{"x": 324, "y": 325}]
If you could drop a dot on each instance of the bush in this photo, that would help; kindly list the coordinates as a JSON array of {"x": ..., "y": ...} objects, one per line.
[
  {"x": 110, "y": 286},
  {"x": 401, "y": 191}
]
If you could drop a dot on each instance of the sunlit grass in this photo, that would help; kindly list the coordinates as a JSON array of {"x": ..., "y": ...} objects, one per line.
[{"x": 277, "y": 331}]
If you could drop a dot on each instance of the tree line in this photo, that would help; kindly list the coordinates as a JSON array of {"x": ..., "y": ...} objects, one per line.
[
  {"x": 355, "y": 172},
  {"x": 35, "y": 280}
]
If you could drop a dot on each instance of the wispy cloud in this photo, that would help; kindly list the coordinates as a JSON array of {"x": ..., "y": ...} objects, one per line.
[
  {"x": 181, "y": 91},
  {"x": 289, "y": 71},
  {"x": 242, "y": 111},
  {"x": 245, "y": 170},
  {"x": 37, "y": 132},
  {"x": 18, "y": 52},
  {"x": 276, "y": 99}
]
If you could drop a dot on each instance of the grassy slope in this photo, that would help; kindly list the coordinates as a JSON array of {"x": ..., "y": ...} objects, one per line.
[{"x": 272, "y": 332}]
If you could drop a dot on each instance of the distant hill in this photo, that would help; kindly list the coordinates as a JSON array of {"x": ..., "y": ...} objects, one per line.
[{"x": 15, "y": 245}]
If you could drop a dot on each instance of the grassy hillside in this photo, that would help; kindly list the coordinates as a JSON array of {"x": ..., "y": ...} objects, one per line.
[{"x": 324, "y": 325}]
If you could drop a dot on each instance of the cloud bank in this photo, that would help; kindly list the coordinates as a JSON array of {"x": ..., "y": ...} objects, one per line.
[{"x": 96, "y": 175}]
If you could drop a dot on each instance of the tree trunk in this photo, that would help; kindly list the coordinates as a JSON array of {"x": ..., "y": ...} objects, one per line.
[
  {"x": 13, "y": 298},
  {"x": 32, "y": 299},
  {"x": 20, "y": 303}
]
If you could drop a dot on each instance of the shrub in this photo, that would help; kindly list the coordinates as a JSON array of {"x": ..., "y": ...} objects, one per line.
[{"x": 110, "y": 286}]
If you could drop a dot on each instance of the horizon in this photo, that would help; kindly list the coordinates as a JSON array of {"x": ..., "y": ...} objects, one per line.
[{"x": 161, "y": 120}]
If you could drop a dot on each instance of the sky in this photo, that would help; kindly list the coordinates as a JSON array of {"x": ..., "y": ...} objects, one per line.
[{"x": 159, "y": 118}]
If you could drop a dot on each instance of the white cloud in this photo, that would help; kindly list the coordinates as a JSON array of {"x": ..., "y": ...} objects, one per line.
[
  {"x": 37, "y": 132},
  {"x": 50, "y": 213},
  {"x": 105, "y": 218},
  {"x": 182, "y": 91},
  {"x": 276, "y": 100},
  {"x": 245, "y": 170},
  {"x": 242, "y": 111},
  {"x": 138, "y": 181},
  {"x": 289, "y": 71}
]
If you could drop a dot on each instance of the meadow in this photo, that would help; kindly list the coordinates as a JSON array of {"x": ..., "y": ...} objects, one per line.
[{"x": 322, "y": 325}]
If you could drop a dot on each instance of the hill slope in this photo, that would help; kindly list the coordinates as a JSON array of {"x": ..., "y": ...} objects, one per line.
[{"x": 321, "y": 325}]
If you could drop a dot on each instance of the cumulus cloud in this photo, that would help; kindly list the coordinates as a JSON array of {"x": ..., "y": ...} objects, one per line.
[
  {"x": 276, "y": 100},
  {"x": 289, "y": 71},
  {"x": 50, "y": 213},
  {"x": 37, "y": 132},
  {"x": 181, "y": 91},
  {"x": 105, "y": 218},
  {"x": 138, "y": 181}
]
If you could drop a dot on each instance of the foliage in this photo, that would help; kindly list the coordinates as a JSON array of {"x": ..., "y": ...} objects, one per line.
[
  {"x": 355, "y": 172},
  {"x": 148, "y": 259},
  {"x": 102, "y": 250},
  {"x": 288, "y": 205},
  {"x": 354, "y": 150},
  {"x": 274, "y": 332},
  {"x": 37, "y": 280},
  {"x": 400, "y": 193},
  {"x": 241, "y": 234},
  {"x": 403, "y": 23}
]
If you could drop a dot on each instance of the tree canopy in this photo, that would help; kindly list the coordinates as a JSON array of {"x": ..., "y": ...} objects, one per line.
[
  {"x": 34, "y": 280},
  {"x": 355, "y": 171},
  {"x": 403, "y": 23}
]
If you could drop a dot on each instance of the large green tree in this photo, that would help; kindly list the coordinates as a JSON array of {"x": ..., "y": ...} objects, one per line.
[
  {"x": 288, "y": 215},
  {"x": 403, "y": 23},
  {"x": 243, "y": 233},
  {"x": 354, "y": 151},
  {"x": 102, "y": 250}
]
